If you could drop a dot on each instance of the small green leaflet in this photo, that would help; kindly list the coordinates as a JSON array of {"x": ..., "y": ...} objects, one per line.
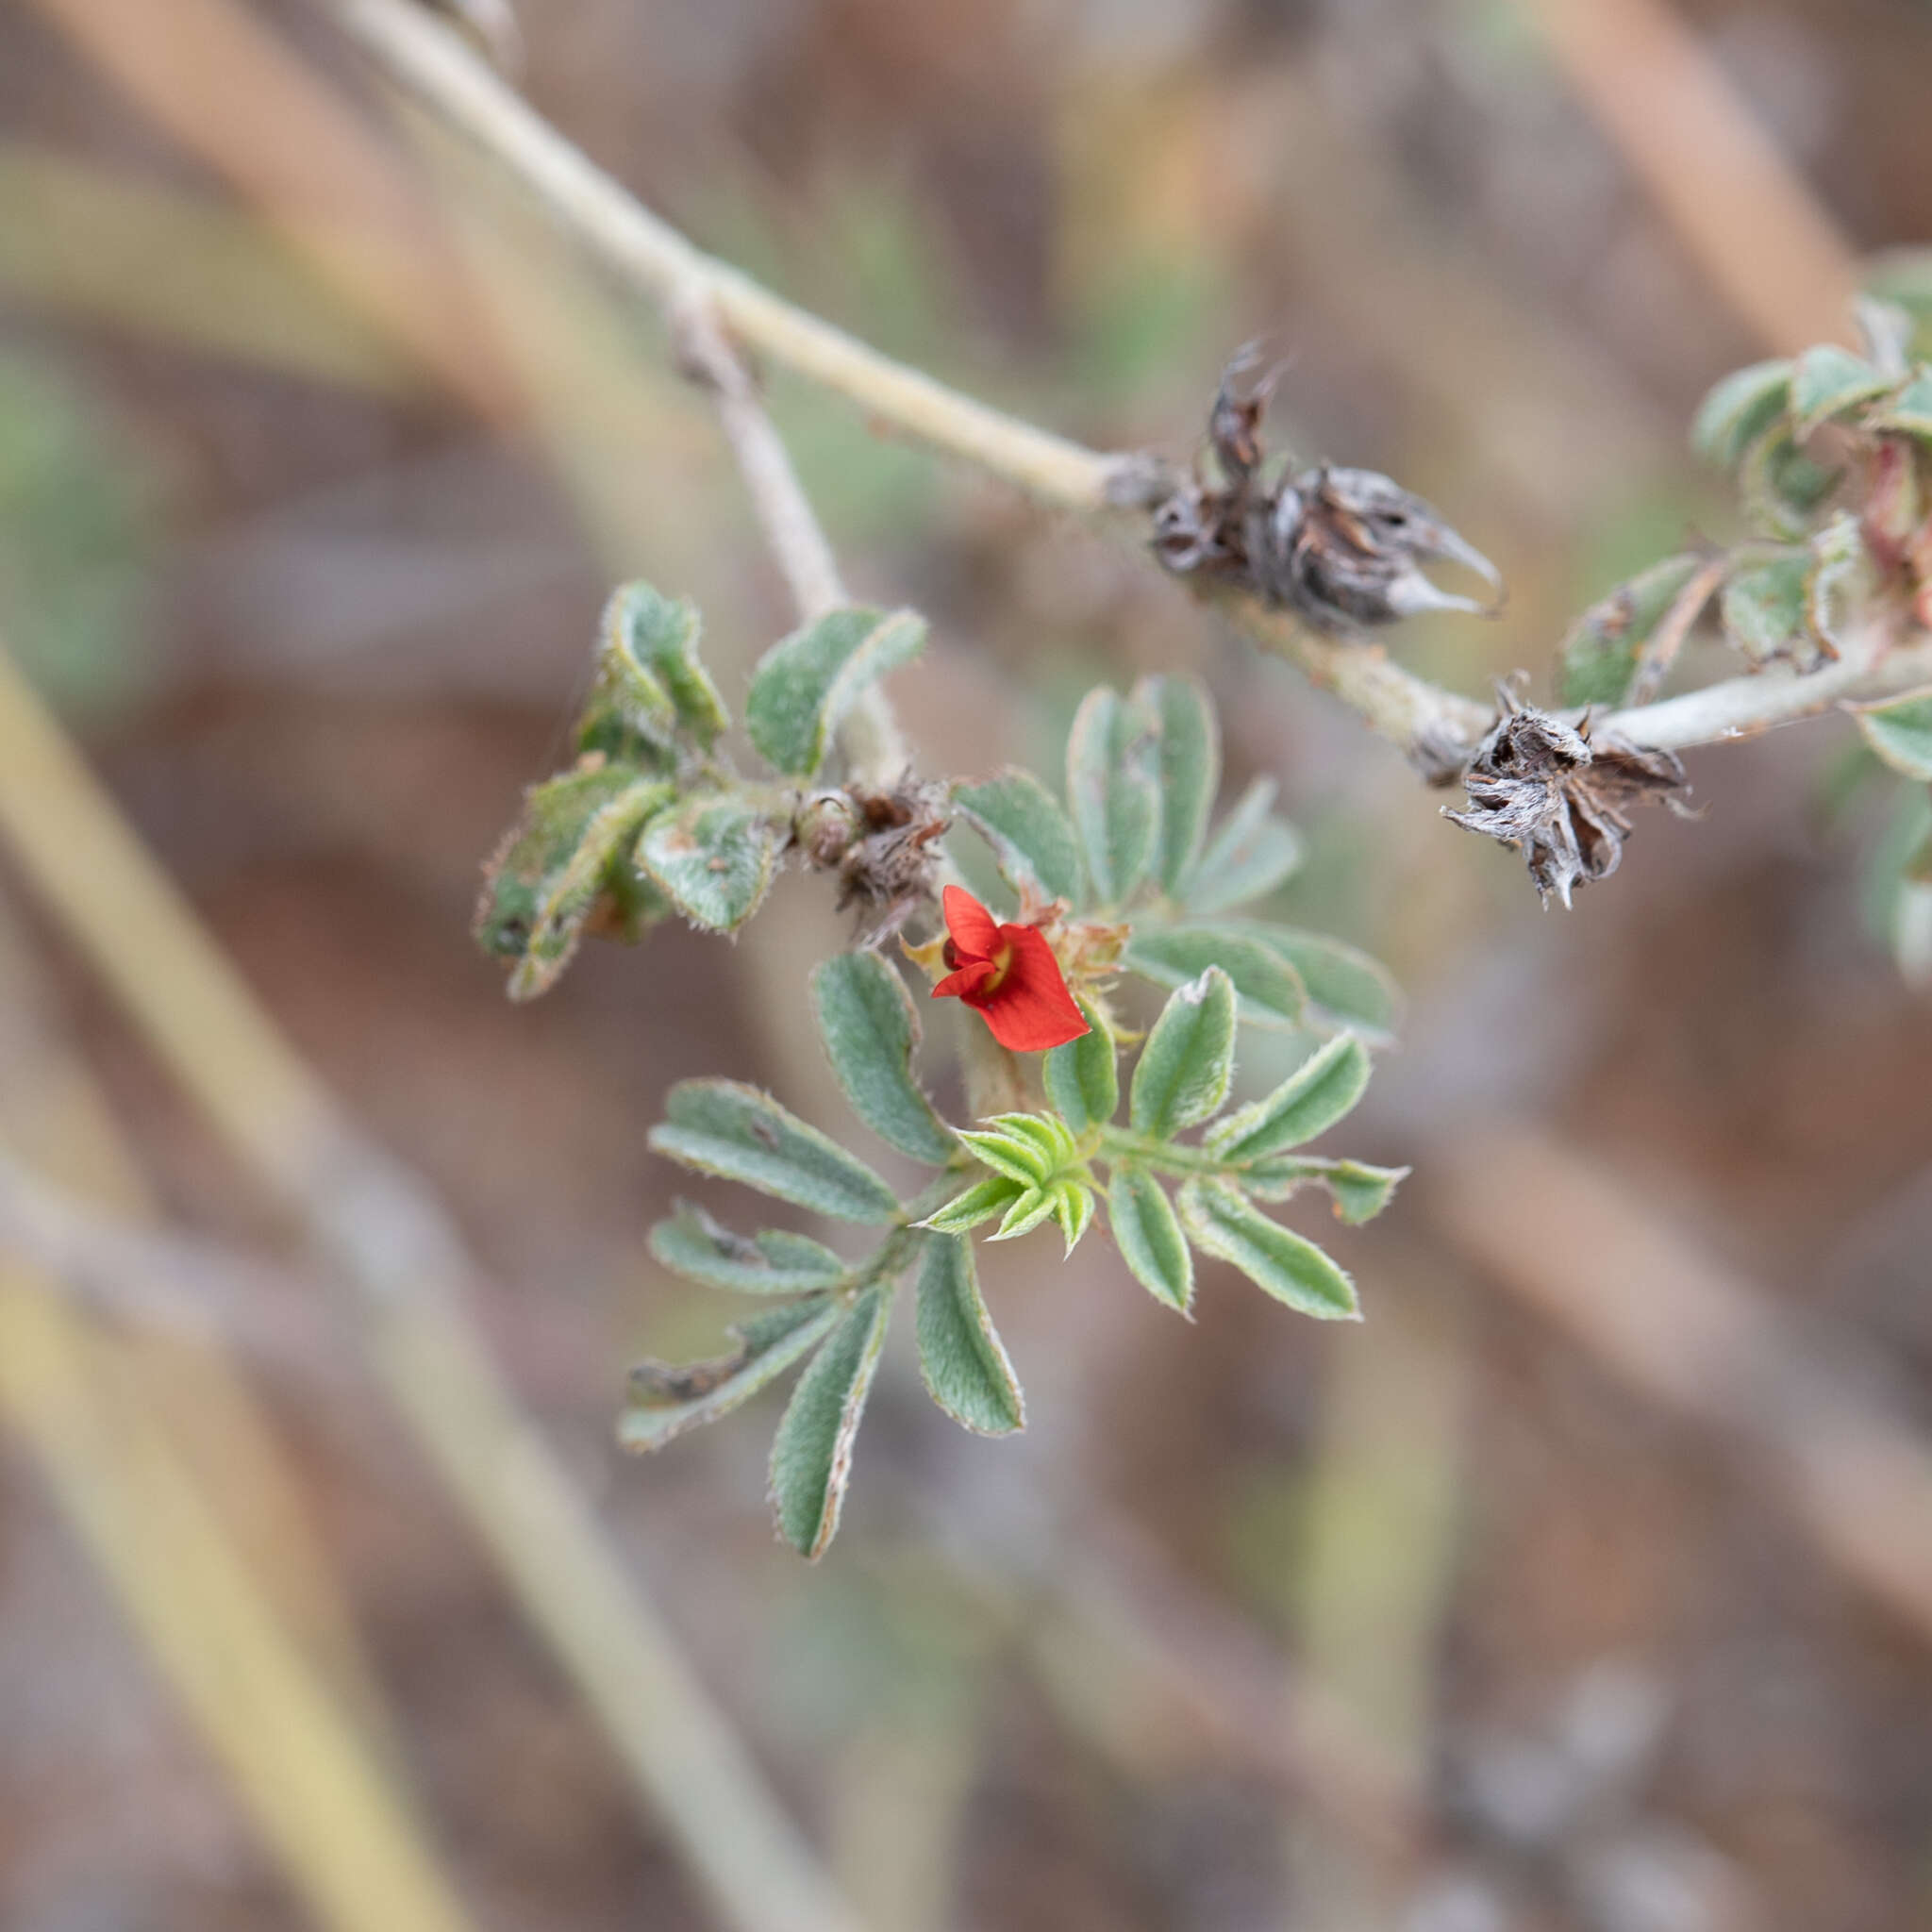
[
  {"x": 807, "y": 682},
  {"x": 961, "y": 1359},
  {"x": 1740, "y": 410},
  {"x": 1183, "y": 1072},
  {"x": 1149, "y": 1237},
  {"x": 1082, "y": 1077},
  {"x": 1764, "y": 610},
  {"x": 1601, "y": 652},
  {"x": 1189, "y": 767},
  {"x": 1221, "y": 1223},
  {"x": 869, "y": 1026},
  {"x": 1029, "y": 834},
  {"x": 1318, "y": 1093},
  {"x": 1900, "y": 731},
  {"x": 812, "y": 1453},
  {"x": 1271, "y": 991},
  {"x": 714, "y": 858},
  {"x": 740, "y": 1134},
  {"x": 648, "y": 664},
  {"x": 1252, "y": 852},
  {"x": 1827, "y": 381},
  {"x": 691, "y": 1243},
  {"x": 667, "y": 1400},
  {"x": 1113, "y": 788}
]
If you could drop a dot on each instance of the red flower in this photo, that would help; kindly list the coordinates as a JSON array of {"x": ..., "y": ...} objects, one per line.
[{"x": 1009, "y": 974}]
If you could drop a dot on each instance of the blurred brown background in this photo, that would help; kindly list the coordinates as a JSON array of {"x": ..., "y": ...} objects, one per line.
[{"x": 1602, "y": 1610}]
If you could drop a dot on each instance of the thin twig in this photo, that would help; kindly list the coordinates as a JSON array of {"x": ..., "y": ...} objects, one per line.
[
  {"x": 432, "y": 65},
  {"x": 869, "y": 736},
  {"x": 1667, "y": 640},
  {"x": 413, "y": 1284}
]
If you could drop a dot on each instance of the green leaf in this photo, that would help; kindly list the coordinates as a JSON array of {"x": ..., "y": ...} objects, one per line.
[
  {"x": 1840, "y": 577},
  {"x": 1251, "y": 853},
  {"x": 1082, "y": 1078},
  {"x": 667, "y": 1399},
  {"x": 869, "y": 1027},
  {"x": 1072, "y": 1207},
  {"x": 1271, "y": 991},
  {"x": 962, "y": 1360},
  {"x": 1221, "y": 1223},
  {"x": 1018, "y": 1157},
  {"x": 1183, "y": 1072},
  {"x": 1113, "y": 788},
  {"x": 714, "y": 858},
  {"x": 1361, "y": 1192},
  {"x": 691, "y": 1243},
  {"x": 1909, "y": 413},
  {"x": 1025, "y": 1214},
  {"x": 1764, "y": 607},
  {"x": 724, "y": 1128},
  {"x": 1045, "y": 1133},
  {"x": 1828, "y": 381},
  {"x": 1738, "y": 410},
  {"x": 1030, "y": 837},
  {"x": 981, "y": 1202},
  {"x": 598, "y": 874},
  {"x": 1900, "y": 731},
  {"x": 649, "y": 680},
  {"x": 1601, "y": 652},
  {"x": 812, "y": 1453},
  {"x": 1347, "y": 986},
  {"x": 1189, "y": 766},
  {"x": 1319, "y": 1092},
  {"x": 1149, "y": 1237},
  {"x": 806, "y": 683},
  {"x": 1780, "y": 485}
]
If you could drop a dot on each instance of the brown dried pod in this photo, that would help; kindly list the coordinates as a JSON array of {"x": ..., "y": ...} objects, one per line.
[{"x": 1564, "y": 800}]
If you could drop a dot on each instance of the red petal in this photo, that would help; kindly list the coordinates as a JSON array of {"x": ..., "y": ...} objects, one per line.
[
  {"x": 963, "y": 984},
  {"x": 1032, "y": 1009},
  {"x": 975, "y": 930}
]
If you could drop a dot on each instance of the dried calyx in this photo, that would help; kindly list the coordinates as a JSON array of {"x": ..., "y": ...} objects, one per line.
[
  {"x": 1343, "y": 548},
  {"x": 883, "y": 844},
  {"x": 1561, "y": 797}
]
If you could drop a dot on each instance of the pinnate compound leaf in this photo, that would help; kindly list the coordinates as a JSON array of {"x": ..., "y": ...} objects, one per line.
[
  {"x": 1319, "y": 1092},
  {"x": 1082, "y": 1077},
  {"x": 869, "y": 1026},
  {"x": 1183, "y": 1072},
  {"x": 1271, "y": 992},
  {"x": 1827, "y": 381},
  {"x": 981, "y": 1202},
  {"x": 724, "y": 1128},
  {"x": 961, "y": 1359},
  {"x": 1222, "y": 1222},
  {"x": 714, "y": 858},
  {"x": 1251, "y": 853},
  {"x": 692, "y": 1245},
  {"x": 1113, "y": 788},
  {"x": 649, "y": 680},
  {"x": 1900, "y": 731},
  {"x": 1740, "y": 410},
  {"x": 812, "y": 1453},
  {"x": 1601, "y": 652},
  {"x": 1764, "y": 607},
  {"x": 667, "y": 1399},
  {"x": 1189, "y": 766},
  {"x": 1031, "y": 838},
  {"x": 1149, "y": 1237},
  {"x": 806, "y": 683}
]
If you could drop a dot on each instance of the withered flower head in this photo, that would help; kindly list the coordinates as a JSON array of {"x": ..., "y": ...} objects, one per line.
[
  {"x": 1562, "y": 798},
  {"x": 1341, "y": 547},
  {"x": 883, "y": 844}
]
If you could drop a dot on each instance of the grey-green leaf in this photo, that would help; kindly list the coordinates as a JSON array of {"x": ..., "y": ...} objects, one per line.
[
  {"x": 1319, "y": 1092},
  {"x": 1900, "y": 731},
  {"x": 1780, "y": 486},
  {"x": 667, "y": 1399},
  {"x": 1113, "y": 788},
  {"x": 981, "y": 1202},
  {"x": 1347, "y": 986},
  {"x": 1221, "y": 1223},
  {"x": 1189, "y": 770},
  {"x": 1184, "y": 1070},
  {"x": 1149, "y": 1237},
  {"x": 1764, "y": 607},
  {"x": 1740, "y": 410},
  {"x": 1271, "y": 992},
  {"x": 869, "y": 1026},
  {"x": 650, "y": 647},
  {"x": 724, "y": 1128},
  {"x": 812, "y": 1453},
  {"x": 806, "y": 683},
  {"x": 1250, "y": 854},
  {"x": 1601, "y": 652},
  {"x": 961, "y": 1359},
  {"x": 1362, "y": 1191},
  {"x": 692, "y": 1245},
  {"x": 1911, "y": 411},
  {"x": 714, "y": 858},
  {"x": 1029, "y": 834},
  {"x": 1827, "y": 381},
  {"x": 1082, "y": 1077}
]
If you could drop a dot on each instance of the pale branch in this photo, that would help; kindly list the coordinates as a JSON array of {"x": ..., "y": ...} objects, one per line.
[
  {"x": 869, "y": 737},
  {"x": 431, "y": 63}
]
